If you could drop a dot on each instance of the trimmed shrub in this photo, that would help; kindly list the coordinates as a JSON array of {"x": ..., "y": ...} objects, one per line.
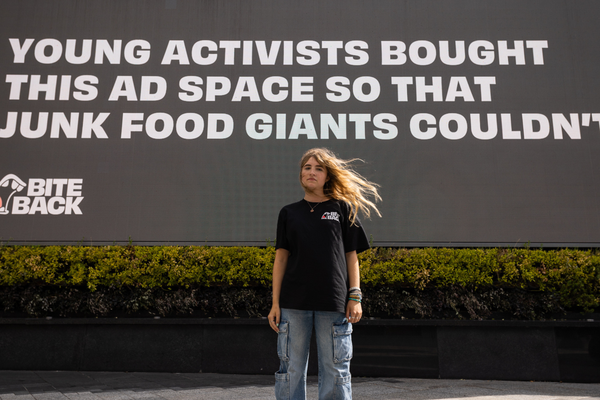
[{"x": 235, "y": 281}]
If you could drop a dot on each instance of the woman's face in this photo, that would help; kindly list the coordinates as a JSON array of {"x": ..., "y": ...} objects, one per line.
[{"x": 314, "y": 175}]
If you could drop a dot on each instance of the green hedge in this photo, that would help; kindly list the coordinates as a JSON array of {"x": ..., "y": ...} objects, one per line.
[
  {"x": 136, "y": 266},
  {"x": 171, "y": 280},
  {"x": 573, "y": 274}
]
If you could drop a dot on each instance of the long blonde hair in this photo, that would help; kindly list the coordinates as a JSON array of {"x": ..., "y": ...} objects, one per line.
[{"x": 344, "y": 183}]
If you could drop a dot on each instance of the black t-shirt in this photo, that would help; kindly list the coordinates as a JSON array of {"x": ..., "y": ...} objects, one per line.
[{"x": 316, "y": 276}]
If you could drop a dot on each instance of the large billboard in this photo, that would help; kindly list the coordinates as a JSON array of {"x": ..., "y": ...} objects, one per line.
[{"x": 182, "y": 122}]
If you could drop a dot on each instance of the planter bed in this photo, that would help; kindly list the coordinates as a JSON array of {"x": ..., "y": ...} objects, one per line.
[{"x": 449, "y": 349}]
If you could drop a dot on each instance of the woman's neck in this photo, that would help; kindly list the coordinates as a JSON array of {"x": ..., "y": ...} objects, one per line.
[{"x": 315, "y": 197}]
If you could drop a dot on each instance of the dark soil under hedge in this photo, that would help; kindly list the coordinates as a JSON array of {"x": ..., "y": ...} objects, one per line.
[{"x": 255, "y": 302}]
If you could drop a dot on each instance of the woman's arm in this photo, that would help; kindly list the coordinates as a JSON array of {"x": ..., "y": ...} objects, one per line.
[
  {"x": 354, "y": 308},
  {"x": 281, "y": 258}
]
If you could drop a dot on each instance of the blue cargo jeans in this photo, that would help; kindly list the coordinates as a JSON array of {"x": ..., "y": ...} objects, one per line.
[{"x": 334, "y": 346}]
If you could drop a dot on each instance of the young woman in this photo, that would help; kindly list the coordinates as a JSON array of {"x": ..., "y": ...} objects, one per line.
[{"x": 316, "y": 280}]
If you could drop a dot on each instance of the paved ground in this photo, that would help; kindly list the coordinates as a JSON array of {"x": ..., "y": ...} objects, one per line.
[{"x": 47, "y": 385}]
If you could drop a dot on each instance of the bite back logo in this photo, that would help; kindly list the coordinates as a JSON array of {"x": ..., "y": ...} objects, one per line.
[
  {"x": 44, "y": 196},
  {"x": 331, "y": 215}
]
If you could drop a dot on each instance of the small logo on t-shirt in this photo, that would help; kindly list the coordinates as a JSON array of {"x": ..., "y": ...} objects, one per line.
[{"x": 331, "y": 215}]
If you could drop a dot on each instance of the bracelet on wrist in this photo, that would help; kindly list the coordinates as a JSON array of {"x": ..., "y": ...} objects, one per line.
[{"x": 355, "y": 297}]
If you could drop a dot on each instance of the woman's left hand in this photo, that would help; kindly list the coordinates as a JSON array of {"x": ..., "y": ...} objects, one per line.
[{"x": 353, "y": 311}]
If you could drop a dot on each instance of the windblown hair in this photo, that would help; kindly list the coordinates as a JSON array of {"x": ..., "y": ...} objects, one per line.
[{"x": 344, "y": 183}]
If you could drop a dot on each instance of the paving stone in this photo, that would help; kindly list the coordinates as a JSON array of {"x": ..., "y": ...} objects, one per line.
[
  {"x": 74, "y": 385},
  {"x": 17, "y": 396},
  {"x": 81, "y": 396},
  {"x": 50, "y": 396}
]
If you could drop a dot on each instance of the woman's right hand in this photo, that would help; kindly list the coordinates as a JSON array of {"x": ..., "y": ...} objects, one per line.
[
  {"x": 279, "y": 266},
  {"x": 274, "y": 317}
]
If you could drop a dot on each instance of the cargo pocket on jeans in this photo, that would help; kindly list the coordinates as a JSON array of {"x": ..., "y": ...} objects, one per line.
[
  {"x": 343, "y": 388},
  {"x": 282, "y": 386},
  {"x": 282, "y": 341},
  {"x": 342, "y": 342}
]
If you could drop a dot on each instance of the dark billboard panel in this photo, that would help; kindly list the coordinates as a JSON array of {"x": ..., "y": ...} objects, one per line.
[{"x": 183, "y": 121}]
